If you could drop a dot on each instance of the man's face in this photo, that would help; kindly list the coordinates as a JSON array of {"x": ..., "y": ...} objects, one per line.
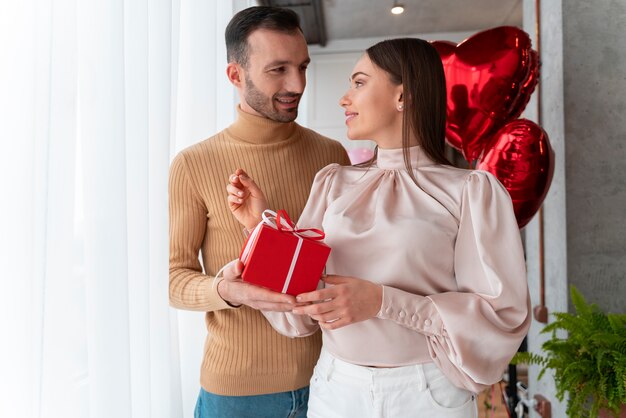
[{"x": 275, "y": 76}]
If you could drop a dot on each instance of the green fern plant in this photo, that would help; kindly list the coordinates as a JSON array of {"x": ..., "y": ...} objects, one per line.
[{"x": 590, "y": 363}]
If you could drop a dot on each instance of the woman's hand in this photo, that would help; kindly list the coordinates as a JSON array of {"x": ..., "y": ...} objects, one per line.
[
  {"x": 245, "y": 199},
  {"x": 346, "y": 301}
]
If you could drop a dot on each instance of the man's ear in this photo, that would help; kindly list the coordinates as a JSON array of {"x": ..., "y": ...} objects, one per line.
[{"x": 233, "y": 72}]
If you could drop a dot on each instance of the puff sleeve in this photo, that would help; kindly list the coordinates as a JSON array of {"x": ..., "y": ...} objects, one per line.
[{"x": 473, "y": 332}]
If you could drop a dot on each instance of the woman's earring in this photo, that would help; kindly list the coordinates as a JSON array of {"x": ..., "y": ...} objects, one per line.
[{"x": 400, "y": 107}]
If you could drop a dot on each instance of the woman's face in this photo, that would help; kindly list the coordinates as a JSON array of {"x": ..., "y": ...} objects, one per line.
[{"x": 372, "y": 105}]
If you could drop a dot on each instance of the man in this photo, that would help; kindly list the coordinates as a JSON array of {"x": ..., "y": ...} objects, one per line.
[{"x": 248, "y": 369}]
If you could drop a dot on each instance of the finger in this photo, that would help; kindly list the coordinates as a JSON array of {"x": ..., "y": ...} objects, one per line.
[
  {"x": 234, "y": 180},
  {"x": 274, "y": 307},
  {"x": 316, "y": 295},
  {"x": 233, "y": 270},
  {"x": 261, "y": 295},
  {"x": 334, "y": 279},
  {"x": 241, "y": 171},
  {"x": 254, "y": 189},
  {"x": 234, "y": 200},
  {"x": 315, "y": 308},
  {"x": 235, "y": 191},
  {"x": 341, "y": 322},
  {"x": 327, "y": 317},
  {"x": 238, "y": 267}
]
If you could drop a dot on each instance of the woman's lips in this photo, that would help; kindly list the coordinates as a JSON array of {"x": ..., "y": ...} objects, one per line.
[{"x": 350, "y": 116}]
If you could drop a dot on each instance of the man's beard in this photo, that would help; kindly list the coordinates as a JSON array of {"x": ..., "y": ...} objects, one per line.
[{"x": 264, "y": 105}]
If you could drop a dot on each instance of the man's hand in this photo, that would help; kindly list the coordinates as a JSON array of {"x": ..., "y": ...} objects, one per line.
[
  {"x": 237, "y": 292},
  {"x": 245, "y": 199},
  {"x": 346, "y": 301}
]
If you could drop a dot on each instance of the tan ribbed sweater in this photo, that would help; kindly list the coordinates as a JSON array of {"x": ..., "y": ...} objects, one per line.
[{"x": 243, "y": 355}]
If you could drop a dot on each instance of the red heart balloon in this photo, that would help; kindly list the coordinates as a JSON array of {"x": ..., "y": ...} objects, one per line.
[
  {"x": 490, "y": 77},
  {"x": 521, "y": 157},
  {"x": 526, "y": 89}
]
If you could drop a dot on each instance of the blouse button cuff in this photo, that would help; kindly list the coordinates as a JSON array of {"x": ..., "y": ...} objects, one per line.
[{"x": 427, "y": 322}]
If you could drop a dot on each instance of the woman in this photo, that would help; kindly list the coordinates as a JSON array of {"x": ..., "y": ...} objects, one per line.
[{"x": 426, "y": 299}]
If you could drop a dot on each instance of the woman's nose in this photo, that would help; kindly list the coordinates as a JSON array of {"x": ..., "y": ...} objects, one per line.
[{"x": 343, "y": 101}]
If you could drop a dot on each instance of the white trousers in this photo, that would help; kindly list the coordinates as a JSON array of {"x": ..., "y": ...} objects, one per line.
[{"x": 344, "y": 390}]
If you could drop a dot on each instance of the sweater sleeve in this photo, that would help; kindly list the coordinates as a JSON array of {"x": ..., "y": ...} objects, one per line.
[
  {"x": 287, "y": 323},
  {"x": 472, "y": 333},
  {"x": 189, "y": 287}
]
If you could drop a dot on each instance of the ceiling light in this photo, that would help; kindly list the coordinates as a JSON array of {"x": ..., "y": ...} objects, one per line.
[{"x": 397, "y": 8}]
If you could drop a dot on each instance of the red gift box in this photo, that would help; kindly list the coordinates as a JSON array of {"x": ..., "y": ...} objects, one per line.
[{"x": 282, "y": 258}]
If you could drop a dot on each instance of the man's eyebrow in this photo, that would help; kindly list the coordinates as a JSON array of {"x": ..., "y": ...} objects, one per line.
[
  {"x": 278, "y": 63},
  {"x": 358, "y": 73}
]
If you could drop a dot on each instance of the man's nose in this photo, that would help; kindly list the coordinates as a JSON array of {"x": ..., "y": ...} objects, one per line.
[{"x": 296, "y": 82}]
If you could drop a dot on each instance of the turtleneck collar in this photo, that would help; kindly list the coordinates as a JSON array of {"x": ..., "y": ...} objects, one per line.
[
  {"x": 392, "y": 158},
  {"x": 259, "y": 130}
]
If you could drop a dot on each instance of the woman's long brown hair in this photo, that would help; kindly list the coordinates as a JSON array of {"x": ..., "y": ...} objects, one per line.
[{"x": 416, "y": 65}]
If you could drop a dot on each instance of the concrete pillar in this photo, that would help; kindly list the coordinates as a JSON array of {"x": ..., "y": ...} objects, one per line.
[{"x": 583, "y": 104}]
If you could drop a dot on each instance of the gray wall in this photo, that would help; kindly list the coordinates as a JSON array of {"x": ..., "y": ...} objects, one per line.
[
  {"x": 594, "y": 58},
  {"x": 583, "y": 88}
]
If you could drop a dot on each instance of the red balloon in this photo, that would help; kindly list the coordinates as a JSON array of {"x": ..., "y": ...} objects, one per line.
[
  {"x": 526, "y": 90},
  {"x": 521, "y": 157},
  {"x": 490, "y": 77}
]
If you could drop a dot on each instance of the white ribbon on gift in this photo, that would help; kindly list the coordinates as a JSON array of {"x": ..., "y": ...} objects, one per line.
[{"x": 269, "y": 218}]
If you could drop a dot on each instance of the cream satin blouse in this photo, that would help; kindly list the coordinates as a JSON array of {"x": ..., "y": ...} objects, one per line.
[{"x": 448, "y": 254}]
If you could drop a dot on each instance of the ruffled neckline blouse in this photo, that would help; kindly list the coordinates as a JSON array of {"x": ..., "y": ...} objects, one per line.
[
  {"x": 448, "y": 253},
  {"x": 393, "y": 158}
]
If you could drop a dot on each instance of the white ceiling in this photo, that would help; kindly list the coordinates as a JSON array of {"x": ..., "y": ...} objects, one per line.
[{"x": 372, "y": 18}]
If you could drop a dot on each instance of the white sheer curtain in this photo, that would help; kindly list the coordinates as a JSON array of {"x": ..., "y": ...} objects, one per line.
[
  {"x": 95, "y": 98},
  {"x": 205, "y": 104}
]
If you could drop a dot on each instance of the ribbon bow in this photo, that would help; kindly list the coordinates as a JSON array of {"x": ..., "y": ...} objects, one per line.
[{"x": 281, "y": 221}]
